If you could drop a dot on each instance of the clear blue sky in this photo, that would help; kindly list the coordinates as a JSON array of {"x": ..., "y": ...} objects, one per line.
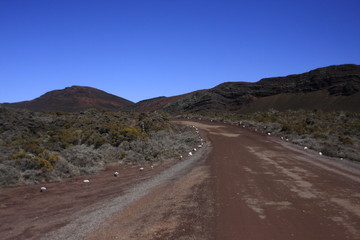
[{"x": 140, "y": 49}]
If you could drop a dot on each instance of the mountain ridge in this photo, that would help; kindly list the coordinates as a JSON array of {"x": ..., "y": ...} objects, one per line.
[{"x": 329, "y": 88}]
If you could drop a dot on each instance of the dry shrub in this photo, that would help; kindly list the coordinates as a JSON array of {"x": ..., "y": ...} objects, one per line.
[
  {"x": 9, "y": 175},
  {"x": 85, "y": 158}
]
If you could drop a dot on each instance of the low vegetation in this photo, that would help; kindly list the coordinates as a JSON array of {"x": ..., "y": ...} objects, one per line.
[
  {"x": 335, "y": 134},
  {"x": 37, "y": 147}
]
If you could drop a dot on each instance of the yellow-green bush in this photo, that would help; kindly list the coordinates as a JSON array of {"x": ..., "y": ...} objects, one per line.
[
  {"x": 125, "y": 134},
  {"x": 18, "y": 156},
  {"x": 42, "y": 163}
]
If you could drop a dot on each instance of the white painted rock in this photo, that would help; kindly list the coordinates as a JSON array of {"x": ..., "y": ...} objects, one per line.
[
  {"x": 141, "y": 169},
  {"x": 86, "y": 181},
  {"x": 42, "y": 189},
  {"x": 116, "y": 174},
  {"x": 190, "y": 153}
]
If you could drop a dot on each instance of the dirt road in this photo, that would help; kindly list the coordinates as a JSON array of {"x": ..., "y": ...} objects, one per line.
[
  {"x": 244, "y": 185},
  {"x": 267, "y": 189}
]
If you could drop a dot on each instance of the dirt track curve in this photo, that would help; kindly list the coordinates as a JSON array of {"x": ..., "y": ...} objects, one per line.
[{"x": 242, "y": 185}]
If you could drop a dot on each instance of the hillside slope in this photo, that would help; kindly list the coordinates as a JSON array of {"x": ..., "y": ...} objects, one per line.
[
  {"x": 158, "y": 103},
  {"x": 329, "y": 88}
]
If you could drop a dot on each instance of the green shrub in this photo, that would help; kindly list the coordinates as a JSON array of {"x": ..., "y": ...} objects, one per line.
[
  {"x": 345, "y": 139},
  {"x": 33, "y": 148},
  {"x": 122, "y": 155},
  {"x": 320, "y": 136},
  {"x": 94, "y": 138},
  {"x": 63, "y": 138}
]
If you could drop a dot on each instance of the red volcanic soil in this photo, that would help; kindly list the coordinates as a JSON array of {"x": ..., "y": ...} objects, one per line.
[
  {"x": 246, "y": 186},
  {"x": 27, "y": 213}
]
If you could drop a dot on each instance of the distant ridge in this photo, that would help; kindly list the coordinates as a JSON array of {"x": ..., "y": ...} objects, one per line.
[
  {"x": 157, "y": 103},
  {"x": 73, "y": 99},
  {"x": 329, "y": 88}
]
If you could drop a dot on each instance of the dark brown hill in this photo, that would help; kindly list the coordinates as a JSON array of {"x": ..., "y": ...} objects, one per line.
[
  {"x": 329, "y": 88},
  {"x": 158, "y": 103},
  {"x": 73, "y": 99}
]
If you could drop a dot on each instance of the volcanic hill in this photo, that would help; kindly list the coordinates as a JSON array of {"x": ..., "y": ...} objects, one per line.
[{"x": 73, "y": 99}]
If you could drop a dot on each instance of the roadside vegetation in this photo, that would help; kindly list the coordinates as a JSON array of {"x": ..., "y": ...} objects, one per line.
[
  {"x": 335, "y": 134},
  {"x": 42, "y": 147}
]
